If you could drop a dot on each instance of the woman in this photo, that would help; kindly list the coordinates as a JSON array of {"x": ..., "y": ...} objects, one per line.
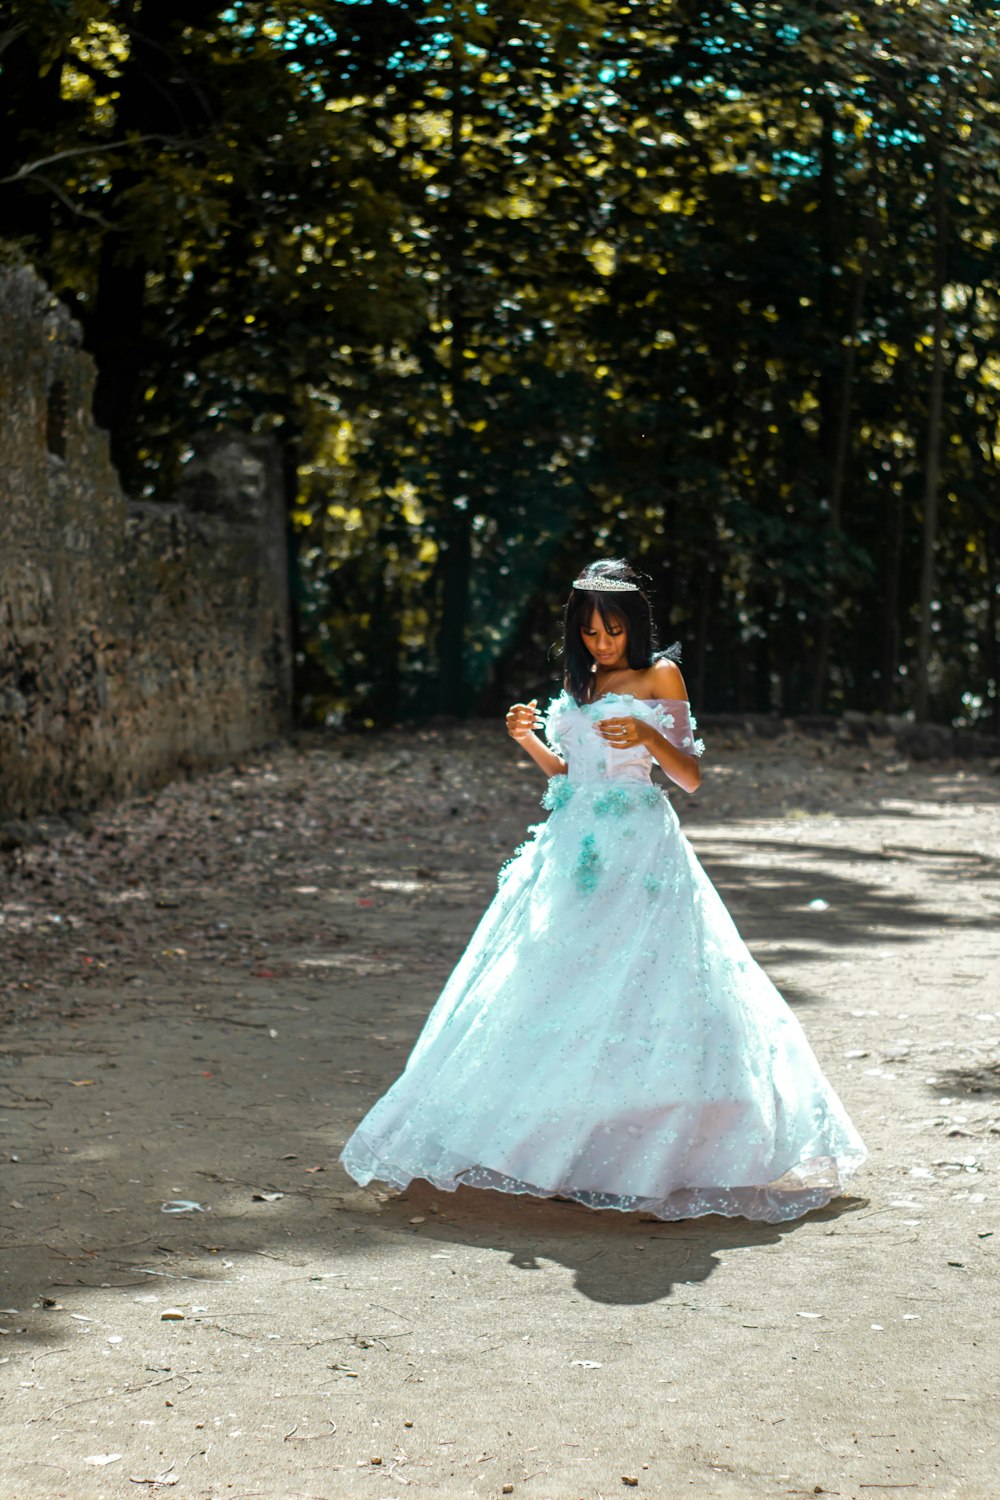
[{"x": 606, "y": 1036}]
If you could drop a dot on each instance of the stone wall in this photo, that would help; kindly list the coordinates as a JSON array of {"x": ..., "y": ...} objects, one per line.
[{"x": 137, "y": 641}]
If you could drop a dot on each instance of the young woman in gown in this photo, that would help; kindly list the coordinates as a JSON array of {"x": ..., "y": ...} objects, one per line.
[{"x": 606, "y": 1036}]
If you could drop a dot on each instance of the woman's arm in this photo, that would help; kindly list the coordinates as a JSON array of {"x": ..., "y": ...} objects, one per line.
[
  {"x": 663, "y": 680},
  {"x": 681, "y": 768},
  {"x": 522, "y": 721},
  {"x": 666, "y": 681}
]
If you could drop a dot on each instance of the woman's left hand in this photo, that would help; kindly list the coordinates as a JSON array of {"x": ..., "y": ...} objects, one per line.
[{"x": 622, "y": 734}]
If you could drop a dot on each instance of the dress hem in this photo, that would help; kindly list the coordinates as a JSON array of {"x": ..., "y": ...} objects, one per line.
[{"x": 810, "y": 1186}]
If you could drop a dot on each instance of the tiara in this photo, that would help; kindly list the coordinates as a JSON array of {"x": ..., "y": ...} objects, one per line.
[{"x": 600, "y": 584}]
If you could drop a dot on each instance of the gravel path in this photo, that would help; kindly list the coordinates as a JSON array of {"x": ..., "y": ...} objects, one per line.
[{"x": 205, "y": 989}]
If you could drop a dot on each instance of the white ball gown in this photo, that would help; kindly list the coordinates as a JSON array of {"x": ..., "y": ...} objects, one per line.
[{"x": 606, "y": 1036}]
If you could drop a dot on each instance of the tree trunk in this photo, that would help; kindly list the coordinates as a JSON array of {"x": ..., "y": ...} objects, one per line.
[
  {"x": 455, "y": 536},
  {"x": 296, "y": 583},
  {"x": 33, "y": 111},
  {"x": 932, "y": 462},
  {"x": 890, "y": 610},
  {"x": 118, "y": 347},
  {"x": 155, "y": 97},
  {"x": 835, "y": 407},
  {"x": 386, "y": 628},
  {"x": 838, "y": 481},
  {"x": 829, "y": 248},
  {"x": 762, "y": 647},
  {"x": 456, "y": 560},
  {"x": 830, "y": 410},
  {"x": 991, "y": 645},
  {"x": 703, "y": 611},
  {"x": 668, "y": 552}
]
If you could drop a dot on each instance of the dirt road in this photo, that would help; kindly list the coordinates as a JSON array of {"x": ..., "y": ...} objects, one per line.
[{"x": 206, "y": 988}]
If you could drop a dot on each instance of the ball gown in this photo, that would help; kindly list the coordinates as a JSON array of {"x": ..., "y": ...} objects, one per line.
[{"x": 606, "y": 1035}]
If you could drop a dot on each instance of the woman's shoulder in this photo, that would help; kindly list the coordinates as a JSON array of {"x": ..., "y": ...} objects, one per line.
[{"x": 663, "y": 678}]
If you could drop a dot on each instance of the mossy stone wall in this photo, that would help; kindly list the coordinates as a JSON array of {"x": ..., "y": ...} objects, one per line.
[{"x": 137, "y": 640}]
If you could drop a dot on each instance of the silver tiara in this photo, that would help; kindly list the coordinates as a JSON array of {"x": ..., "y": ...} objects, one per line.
[{"x": 601, "y": 585}]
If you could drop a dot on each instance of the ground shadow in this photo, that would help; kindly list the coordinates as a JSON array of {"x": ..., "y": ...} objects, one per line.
[
  {"x": 86, "y": 1228},
  {"x": 615, "y": 1258},
  {"x": 771, "y": 901},
  {"x": 977, "y": 1078}
]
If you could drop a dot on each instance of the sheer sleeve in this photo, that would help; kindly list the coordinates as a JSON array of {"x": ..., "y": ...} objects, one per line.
[{"x": 677, "y": 723}]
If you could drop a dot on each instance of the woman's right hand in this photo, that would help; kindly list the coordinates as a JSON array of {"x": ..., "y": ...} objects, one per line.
[{"x": 523, "y": 719}]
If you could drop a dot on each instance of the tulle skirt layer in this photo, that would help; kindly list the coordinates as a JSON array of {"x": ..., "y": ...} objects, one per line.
[{"x": 607, "y": 1037}]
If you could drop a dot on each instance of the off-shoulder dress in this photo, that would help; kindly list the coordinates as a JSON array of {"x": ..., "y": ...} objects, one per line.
[{"x": 606, "y": 1035}]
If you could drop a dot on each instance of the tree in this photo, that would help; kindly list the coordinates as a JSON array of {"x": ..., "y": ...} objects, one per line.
[{"x": 710, "y": 284}]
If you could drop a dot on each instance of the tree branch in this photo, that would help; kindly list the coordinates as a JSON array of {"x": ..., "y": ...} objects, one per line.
[
  {"x": 10, "y": 37},
  {"x": 74, "y": 208},
  {"x": 95, "y": 150}
]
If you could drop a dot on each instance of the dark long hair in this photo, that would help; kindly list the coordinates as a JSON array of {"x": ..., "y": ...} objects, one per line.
[{"x": 629, "y": 607}]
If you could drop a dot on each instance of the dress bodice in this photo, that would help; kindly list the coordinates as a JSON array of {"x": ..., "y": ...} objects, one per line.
[{"x": 570, "y": 730}]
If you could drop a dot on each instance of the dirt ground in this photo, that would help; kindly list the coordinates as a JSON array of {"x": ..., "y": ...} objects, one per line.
[{"x": 205, "y": 989}]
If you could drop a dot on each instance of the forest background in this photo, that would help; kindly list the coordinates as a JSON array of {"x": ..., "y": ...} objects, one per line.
[{"x": 710, "y": 285}]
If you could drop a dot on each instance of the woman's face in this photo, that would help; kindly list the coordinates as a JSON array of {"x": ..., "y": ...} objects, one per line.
[{"x": 607, "y": 643}]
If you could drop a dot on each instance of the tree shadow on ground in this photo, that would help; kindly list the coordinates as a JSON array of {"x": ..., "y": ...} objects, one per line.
[
  {"x": 977, "y": 1078},
  {"x": 771, "y": 901},
  {"x": 834, "y": 793}
]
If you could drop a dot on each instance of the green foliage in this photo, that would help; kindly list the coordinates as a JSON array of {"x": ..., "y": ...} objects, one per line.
[{"x": 517, "y": 284}]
